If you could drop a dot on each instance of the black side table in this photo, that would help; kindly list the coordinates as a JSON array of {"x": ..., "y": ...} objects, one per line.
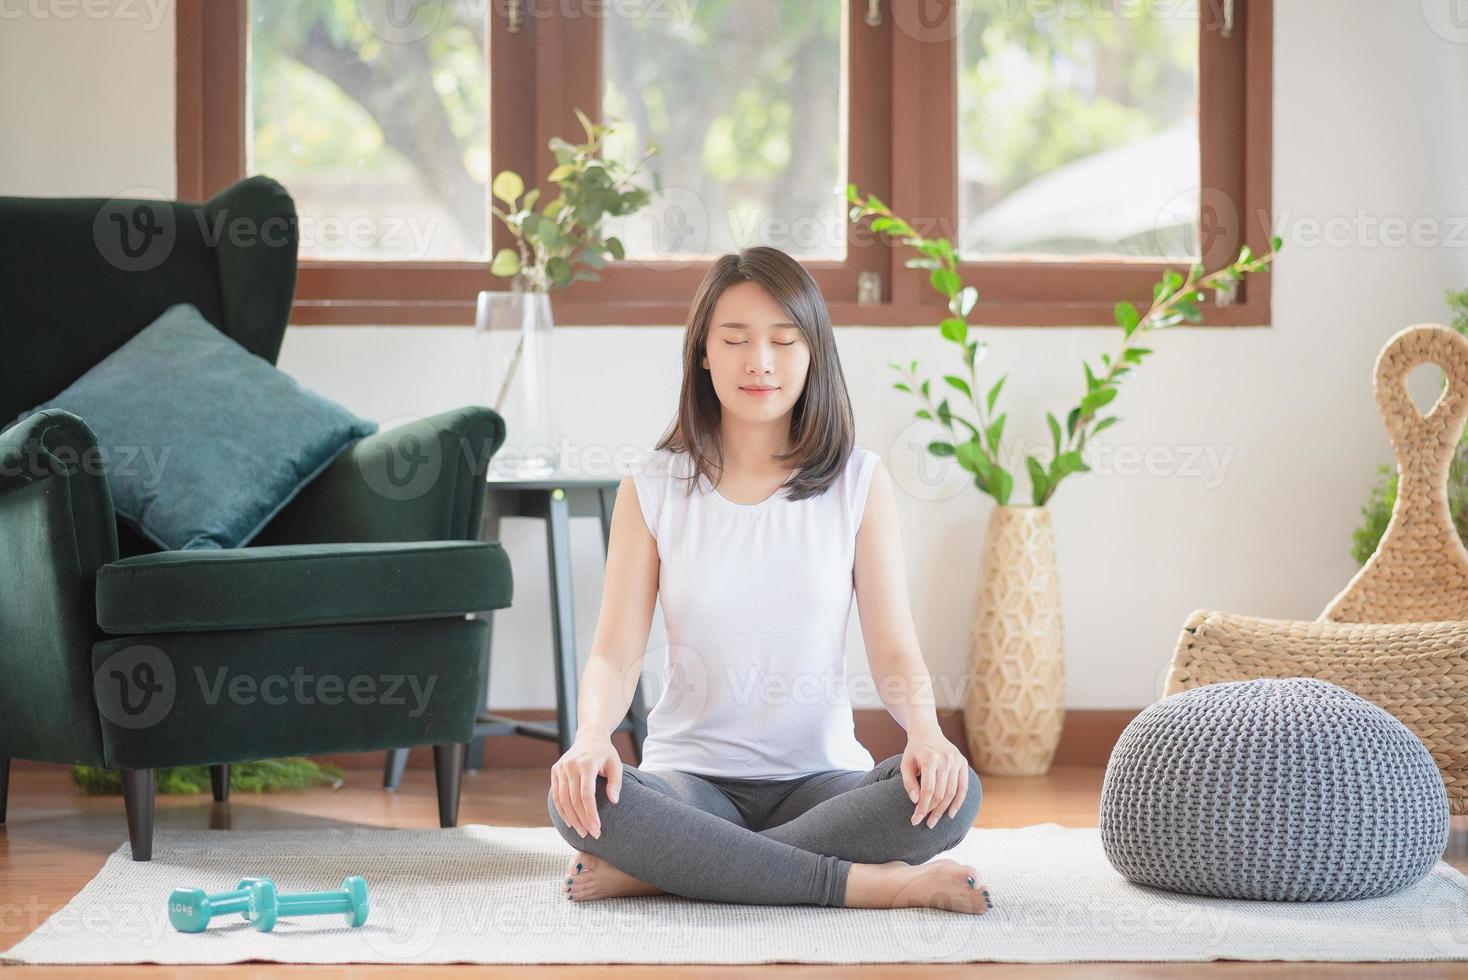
[{"x": 555, "y": 499}]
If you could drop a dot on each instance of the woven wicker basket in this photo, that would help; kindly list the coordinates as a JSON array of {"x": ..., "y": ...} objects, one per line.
[{"x": 1398, "y": 633}]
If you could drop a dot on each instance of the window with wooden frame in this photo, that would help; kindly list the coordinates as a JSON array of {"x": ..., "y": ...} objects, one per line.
[{"x": 1071, "y": 149}]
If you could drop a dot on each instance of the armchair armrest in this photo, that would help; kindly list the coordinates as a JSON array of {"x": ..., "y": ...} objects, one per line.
[
  {"x": 57, "y": 445},
  {"x": 423, "y": 481},
  {"x": 56, "y": 529}
]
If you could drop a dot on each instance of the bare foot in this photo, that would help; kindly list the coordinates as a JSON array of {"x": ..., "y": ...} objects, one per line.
[
  {"x": 588, "y": 877},
  {"x": 941, "y": 884}
]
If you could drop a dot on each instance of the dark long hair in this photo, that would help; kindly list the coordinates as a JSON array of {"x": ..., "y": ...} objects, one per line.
[{"x": 822, "y": 428}]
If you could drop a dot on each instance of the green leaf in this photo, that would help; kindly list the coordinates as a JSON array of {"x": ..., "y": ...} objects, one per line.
[
  {"x": 1038, "y": 481},
  {"x": 924, "y": 388},
  {"x": 994, "y": 391},
  {"x": 946, "y": 281},
  {"x": 506, "y": 262},
  {"x": 1134, "y": 355},
  {"x": 1172, "y": 279},
  {"x": 882, "y": 223},
  {"x": 1245, "y": 254},
  {"x": 1091, "y": 381},
  {"x": 561, "y": 173},
  {"x": 559, "y": 270},
  {"x": 586, "y": 123},
  {"x": 1067, "y": 463},
  {"x": 975, "y": 352},
  {"x": 901, "y": 387},
  {"x": 1071, "y": 420},
  {"x": 614, "y": 245},
  {"x": 1276, "y": 243},
  {"x": 939, "y": 448},
  {"x": 1105, "y": 423},
  {"x": 958, "y": 383},
  {"x": 507, "y": 186},
  {"x": 1054, "y": 430},
  {"x": 1127, "y": 317},
  {"x": 923, "y": 413},
  {"x": 1097, "y": 399},
  {"x": 971, "y": 457},
  {"x": 1001, "y": 483},
  {"x": 945, "y": 414},
  {"x": 851, "y": 194},
  {"x": 954, "y": 329},
  {"x": 995, "y": 433},
  {"x": 967, "y": 297}
]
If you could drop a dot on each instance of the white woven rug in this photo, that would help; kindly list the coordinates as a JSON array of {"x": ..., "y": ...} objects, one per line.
[{"x": 481, "y": 894}]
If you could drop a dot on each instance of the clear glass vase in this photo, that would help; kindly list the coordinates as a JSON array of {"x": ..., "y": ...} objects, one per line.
[{"x": 514, "y": 339}]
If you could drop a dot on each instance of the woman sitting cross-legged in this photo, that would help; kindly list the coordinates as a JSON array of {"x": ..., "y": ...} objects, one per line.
[{"x": 752, "y": 522}]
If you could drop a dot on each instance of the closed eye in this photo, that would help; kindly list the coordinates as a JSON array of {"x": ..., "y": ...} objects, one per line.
[{"x": 787, "y": 343}]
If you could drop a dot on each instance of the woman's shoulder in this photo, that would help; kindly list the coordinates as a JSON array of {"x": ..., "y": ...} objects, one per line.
[
  {"x": 654, "y": 464},
  {"x": 861, "y": 462},
  {"x": 860, "y": 468}
]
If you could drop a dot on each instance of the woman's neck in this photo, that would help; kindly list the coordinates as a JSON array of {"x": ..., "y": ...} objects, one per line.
[{"x": 751, "y": 448}]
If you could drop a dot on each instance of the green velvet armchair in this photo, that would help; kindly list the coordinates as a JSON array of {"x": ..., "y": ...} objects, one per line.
[{"x": 345, "y": 626}]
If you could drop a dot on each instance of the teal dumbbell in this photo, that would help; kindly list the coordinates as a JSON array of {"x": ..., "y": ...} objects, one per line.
[
  {"x": 191, "y": 910},
  {"x": 265, "y": 905}
]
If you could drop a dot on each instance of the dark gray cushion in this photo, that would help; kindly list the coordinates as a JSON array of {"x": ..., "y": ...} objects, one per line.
[
  {"x": 201, "y": 441},
  {"x": 1289, "y": 789}
]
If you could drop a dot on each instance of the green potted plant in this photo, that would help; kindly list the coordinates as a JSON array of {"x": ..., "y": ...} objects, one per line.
[
  {"x": 1377, "y": 511},
  {"x": 555, "y": 244},
  {"x": 1016, "y": 680}
]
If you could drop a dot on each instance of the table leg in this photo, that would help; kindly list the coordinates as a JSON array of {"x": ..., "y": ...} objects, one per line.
[
  {"x": 489, "y": 530},
  {"x": 563, "y": 611}
]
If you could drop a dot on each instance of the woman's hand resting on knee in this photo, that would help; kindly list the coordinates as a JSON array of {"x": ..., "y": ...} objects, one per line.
[
  {"x": 935, "y": 774},
  {"x": 573, "y": 781}
]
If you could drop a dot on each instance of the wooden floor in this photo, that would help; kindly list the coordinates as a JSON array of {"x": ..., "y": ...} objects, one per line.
[{"x": 57, "y": 839}]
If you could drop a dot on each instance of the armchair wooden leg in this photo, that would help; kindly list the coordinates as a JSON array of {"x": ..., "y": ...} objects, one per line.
[
  {"x": 4, "y": 785},
  {"x": 448, "y": 766},
  {"x": 137, "y": 797},
  {"x": 219, "y": 777},
  {"x": 392, "y": 771}
]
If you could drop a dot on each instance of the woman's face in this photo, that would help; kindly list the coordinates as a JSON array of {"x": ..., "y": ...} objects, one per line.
[{"x": 753, "y": 344}]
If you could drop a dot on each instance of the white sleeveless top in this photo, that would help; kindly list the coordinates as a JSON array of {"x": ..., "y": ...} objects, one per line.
[{"x": 755, "y": 599}]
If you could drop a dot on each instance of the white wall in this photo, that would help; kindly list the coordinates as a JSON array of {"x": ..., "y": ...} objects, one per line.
[{"x": 1367, "y": 119}]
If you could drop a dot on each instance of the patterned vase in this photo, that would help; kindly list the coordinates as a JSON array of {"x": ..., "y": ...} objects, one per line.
[{"x": 1015, "y": 703}]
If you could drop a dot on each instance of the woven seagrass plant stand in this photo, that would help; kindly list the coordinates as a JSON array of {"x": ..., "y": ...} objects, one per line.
[{"x": 1397, "y": 634}]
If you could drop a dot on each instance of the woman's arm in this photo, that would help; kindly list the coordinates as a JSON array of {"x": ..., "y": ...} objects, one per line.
[
  {"x": 624, "y": 620},
  {"x": 880, "y": 577},
  {"x": 934, "y": 771},
  {"x": 613, "y": 666}
]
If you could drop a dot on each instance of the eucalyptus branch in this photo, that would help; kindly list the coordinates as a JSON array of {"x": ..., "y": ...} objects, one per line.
[
  {"x": 980, "y": 453},
  {"x": 1174, "y": 299}
]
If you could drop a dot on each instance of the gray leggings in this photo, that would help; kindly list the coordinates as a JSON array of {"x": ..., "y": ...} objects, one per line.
[{"x": 763, "y": 841}]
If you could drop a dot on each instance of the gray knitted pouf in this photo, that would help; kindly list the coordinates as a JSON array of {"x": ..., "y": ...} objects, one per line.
[{"x": 1288, "y": 790}]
